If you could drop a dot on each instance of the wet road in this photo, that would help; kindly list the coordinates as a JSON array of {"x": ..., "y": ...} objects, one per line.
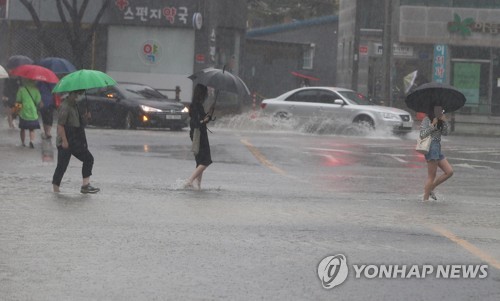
[{"x": 273, "y": 205}]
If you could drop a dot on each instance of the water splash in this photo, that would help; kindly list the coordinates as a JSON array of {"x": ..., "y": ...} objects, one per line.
[{"x": 257, "y": 121}]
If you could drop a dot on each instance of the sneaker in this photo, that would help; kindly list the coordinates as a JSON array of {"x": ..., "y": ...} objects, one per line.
[
  {"x": 433, "y": 196},
  {"x": 89, "y": 189},
  {"x": 31, "y": 145}
]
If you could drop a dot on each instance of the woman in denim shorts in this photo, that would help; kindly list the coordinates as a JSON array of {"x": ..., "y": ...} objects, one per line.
[{"x": 435, "y": 158}]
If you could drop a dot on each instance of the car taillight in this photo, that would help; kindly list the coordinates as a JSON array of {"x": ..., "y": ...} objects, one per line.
[{"x": 263, "y": 105}]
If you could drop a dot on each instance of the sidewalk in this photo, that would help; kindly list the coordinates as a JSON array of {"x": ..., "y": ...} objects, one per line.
[{"x": 477, "y": 125}]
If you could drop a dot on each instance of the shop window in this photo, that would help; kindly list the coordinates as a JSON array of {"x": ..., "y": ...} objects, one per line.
[{"x": 308, "y": 58}]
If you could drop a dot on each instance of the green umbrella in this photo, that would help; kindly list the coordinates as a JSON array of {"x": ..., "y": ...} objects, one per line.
[{"x": 83, "y": 80}]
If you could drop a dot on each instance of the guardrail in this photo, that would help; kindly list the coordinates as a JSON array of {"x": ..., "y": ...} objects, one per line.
[{"x": 176, "y": 92}]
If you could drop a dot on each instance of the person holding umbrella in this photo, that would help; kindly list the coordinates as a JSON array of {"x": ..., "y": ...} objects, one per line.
[
  {"x": 71, "y": 139},
  {"x": 198, "y": 123},
  {"x": 435, "y": 125},
  {"x": 434, "y": 99},
  {"x": 29, "y": 98}
]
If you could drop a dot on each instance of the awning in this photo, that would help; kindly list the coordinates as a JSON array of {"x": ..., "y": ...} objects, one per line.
[{"x": 304, "y": 76}]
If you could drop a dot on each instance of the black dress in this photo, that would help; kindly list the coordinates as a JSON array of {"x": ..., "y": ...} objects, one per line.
[{"x": 197, "y": 113}]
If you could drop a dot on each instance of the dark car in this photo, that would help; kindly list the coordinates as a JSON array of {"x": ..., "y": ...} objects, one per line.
[{"x": 132, "y": 105}]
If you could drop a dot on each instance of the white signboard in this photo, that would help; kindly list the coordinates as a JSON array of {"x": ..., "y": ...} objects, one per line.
[{"x": 397, "y": 50}]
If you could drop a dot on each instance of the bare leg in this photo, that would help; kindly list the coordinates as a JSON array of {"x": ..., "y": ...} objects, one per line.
[
  {"x": 198, "y": 181},
  {"x": 431, "y": 176},
  {"x": 56, "y": 188},
  {"x": 85, "y": 181},
  {"x": 32, "y": 136},
  {"x": 10, "y": 120},
  {"x": 197, "y": 172},
  {"x": 23, "y": 136},
  {"x": 448, "y": 172},
  {"x": 47, "y": 129}
]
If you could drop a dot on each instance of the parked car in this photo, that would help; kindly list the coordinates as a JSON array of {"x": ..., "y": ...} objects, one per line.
[
  {"x": 337, "y": 104},
  {"x": 131, "y": 105}
]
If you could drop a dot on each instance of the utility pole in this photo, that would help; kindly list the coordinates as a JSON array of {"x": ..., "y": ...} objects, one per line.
[
  {"x": 387, "y": 53},
  {"x": 355, "y": 62}
]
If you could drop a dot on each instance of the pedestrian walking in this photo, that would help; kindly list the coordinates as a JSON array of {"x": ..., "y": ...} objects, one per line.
[
  {"x": 29, "y": 98},
  {"x": 199, "y": 136},
  {"x": 11, "y": 86},
  {"x": 47, "y": 111},
  {"x": 71, "y": 141},
  {"x": 435, "y": 125}
]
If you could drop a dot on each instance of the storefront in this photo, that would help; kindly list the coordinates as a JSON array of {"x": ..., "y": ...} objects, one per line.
[{"x": 464, "y": 44}]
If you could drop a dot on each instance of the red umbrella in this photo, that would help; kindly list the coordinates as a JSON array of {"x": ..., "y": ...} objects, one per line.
[{"x": 35, "y": 72}]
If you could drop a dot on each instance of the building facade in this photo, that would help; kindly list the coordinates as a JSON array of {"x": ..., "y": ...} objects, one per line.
[
  {"x": 286, "y": 56},
  {"x": 452, "y": 41},
  {"x": 158, "y": 43}
]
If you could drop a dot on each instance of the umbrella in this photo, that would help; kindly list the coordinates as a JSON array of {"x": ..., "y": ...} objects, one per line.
[
  {"x": 35, "y": 72},
  {"x": 83, "y": 80},
  {"x": 425, "y": 97},
  {"x": 409, "y": 81},
  {"x": 57, "y": 65},
  {"x": 220, "y": 80},
  {"x": 18, "y": 60},
  {"x": 3, "y": 73}
]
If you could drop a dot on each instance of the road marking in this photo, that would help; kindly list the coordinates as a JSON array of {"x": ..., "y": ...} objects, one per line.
[
  {"x": 467, "y": 245},
  {"x": 262, "y": 159},
  {"x": 474, "y": 160},
  {"x": 330, "y": 150}
]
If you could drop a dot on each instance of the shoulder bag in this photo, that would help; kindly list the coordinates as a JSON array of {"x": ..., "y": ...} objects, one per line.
[
  {"x": 423, "y": 145},
  {"x": 195, "y": 148}
]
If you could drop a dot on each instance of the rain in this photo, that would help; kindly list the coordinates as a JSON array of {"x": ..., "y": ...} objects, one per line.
[{"x": 244, "y": 150}]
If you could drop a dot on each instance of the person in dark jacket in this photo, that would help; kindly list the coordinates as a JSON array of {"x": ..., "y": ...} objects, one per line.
[
  {"x": 71, "y": 141},
  {"x": 9, "y": 98},
  {"x": 199, "y": 120}
]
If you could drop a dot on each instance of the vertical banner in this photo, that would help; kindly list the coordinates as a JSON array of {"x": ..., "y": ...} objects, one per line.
[
  {"x": 466, "y": 78},
  {"x": 439, "y": 63}
]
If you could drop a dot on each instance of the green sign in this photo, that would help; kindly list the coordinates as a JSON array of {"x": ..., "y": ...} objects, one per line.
[{"x": 466, "y": 78}]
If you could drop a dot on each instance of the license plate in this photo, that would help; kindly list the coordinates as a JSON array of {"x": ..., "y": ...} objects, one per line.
[
  {"x": 170, "y": 117},
  {"x": 407, "y": 124}
]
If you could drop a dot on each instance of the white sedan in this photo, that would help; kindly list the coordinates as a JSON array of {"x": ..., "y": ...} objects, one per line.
[{"x": 337, "y": 104}]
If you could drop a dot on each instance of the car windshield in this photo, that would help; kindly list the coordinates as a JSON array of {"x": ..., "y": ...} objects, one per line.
[
  {"x": 356, "y": 97},
  {"x": 142, "y": 91}
]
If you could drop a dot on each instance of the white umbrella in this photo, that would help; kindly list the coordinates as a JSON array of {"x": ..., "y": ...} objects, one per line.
[
  {"x": 409, "y": 81},
  {"x": 3, "y": 73}
]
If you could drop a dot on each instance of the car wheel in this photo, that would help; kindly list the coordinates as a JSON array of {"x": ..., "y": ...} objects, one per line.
[
  {"x": 281, "y": 116},
  {"x": 365, "y": 122},
  {"x": 128, "y": 122}
]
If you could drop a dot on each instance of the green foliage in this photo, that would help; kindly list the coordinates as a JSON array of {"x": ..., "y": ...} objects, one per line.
[{"x": 270, "y": 12}]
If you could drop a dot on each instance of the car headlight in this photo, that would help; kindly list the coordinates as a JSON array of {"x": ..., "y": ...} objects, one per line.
[
  {"x": 390, "y": 116},
  {"x": 185, "y": 110},
  {"x": 150, "y": 109}
]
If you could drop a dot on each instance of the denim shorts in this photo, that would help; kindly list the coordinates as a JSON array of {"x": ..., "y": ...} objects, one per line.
[{"x": 434, "y": 152}]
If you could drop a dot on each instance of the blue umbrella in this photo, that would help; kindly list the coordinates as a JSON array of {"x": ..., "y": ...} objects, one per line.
[
  {"x": 57, "y": 65},
  {"x": 18, "y": 60}
]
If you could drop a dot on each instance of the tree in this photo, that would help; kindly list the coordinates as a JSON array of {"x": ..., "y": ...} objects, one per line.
[
  {"x": 268, "y": 12},
  {"x": 77, "y": 38}
]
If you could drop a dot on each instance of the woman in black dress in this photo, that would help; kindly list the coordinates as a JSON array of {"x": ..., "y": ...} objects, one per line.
[{"x": 199, "y": 120}]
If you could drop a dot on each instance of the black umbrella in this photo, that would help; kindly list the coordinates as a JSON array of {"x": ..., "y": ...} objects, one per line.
[
  {"x": 18, "y": 60},
  {"x": 220, "y": 80},
  {"x": 425, "y": 97}
]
